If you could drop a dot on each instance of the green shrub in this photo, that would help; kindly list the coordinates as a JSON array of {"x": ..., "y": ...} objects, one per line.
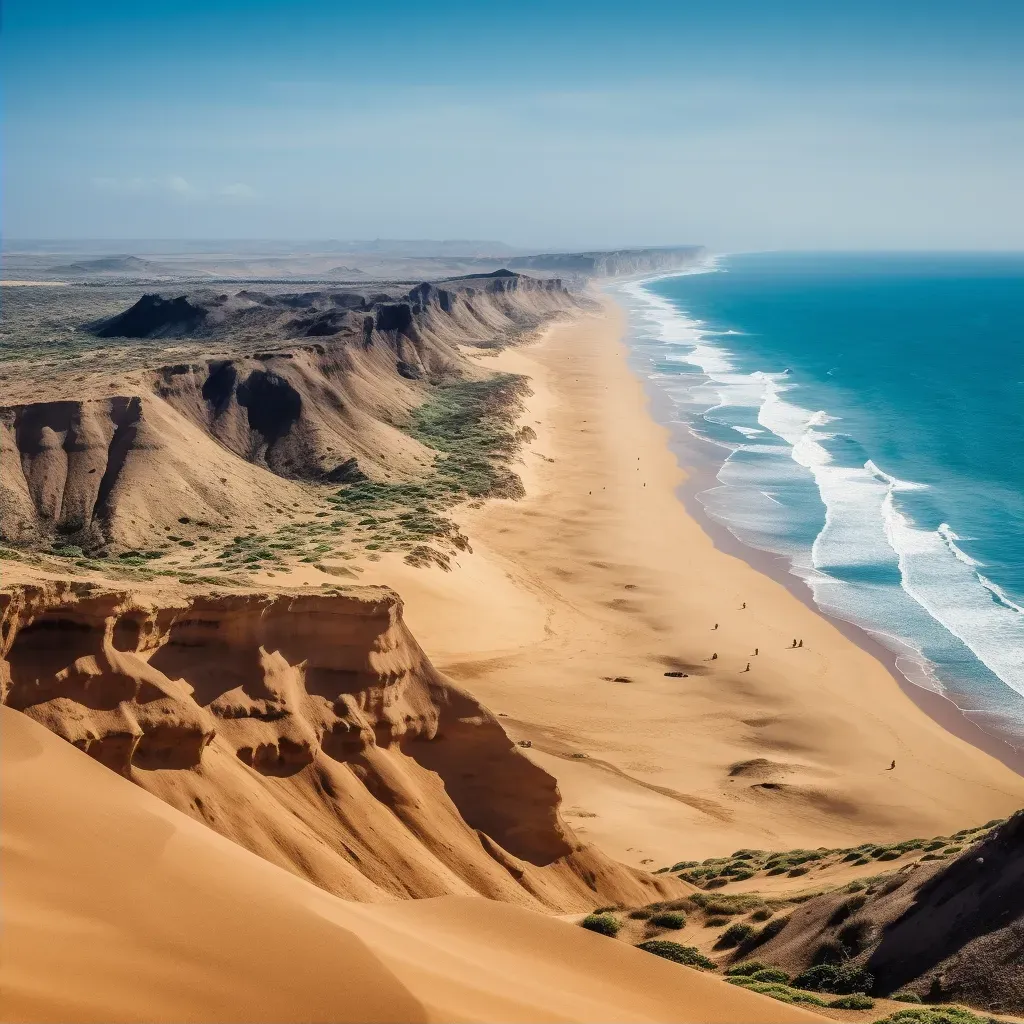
[
  {"x": 678, "y": 954},
  {"x": 890, "y": 855},
  {"x": 603, "y": 924},
  {"x": 640, "y": 914},
  {"x": 840, "y": 979},
  {"x": 683, "y": 865},
  {"x": 769, "y": 931},
  {"x": 862, "y": 861},
  {"x": 716, "y": 922},
  {"x": 734, "y": 935},
  {"x": 783, "y": 993},
  {"x": 795, "y": 872},
  {"x": 772, "y": 975},
  {"x": 855, "y": 1001},
  {"x": 776, "y": 870},
  {"x": 934, "y": 1015},
  {"x": 745, "y": 969},
  {"x": 762, "y": 914},
  {"x": 857, "y": 935},
  {"x": 669, "y": 920},
  {"x": 905, "y": 997},
  {"x": 935, "y": 844},
  {"x": 950, "y": 850},
  {"x": 856, "y": 886}
]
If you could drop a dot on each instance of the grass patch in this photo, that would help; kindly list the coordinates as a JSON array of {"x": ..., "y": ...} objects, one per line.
[
  {"x": 688, "y": 956},
  {"x": 784, "y": 993},
  {"x": 934, "y": 1015},
  {"x": 670, "y": 919}
]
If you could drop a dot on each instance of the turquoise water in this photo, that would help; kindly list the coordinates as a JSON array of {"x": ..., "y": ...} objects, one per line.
[{"x": 869, "y": 414}]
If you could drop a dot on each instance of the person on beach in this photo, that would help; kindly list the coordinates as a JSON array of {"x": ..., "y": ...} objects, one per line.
[
  {"x": 714, "y": 657},
  {"x": 715, "y": 626},
  {"x": 755, "y": 652},
  {"x": 747, "y": 669},
  {"x": 744, "y": 606},
  {"x": 800, "y": 644},
  {"x": 892, "y": 766}
]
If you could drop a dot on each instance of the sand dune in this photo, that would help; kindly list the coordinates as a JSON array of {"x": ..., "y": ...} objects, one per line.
[{"x": 119, "y": 908}]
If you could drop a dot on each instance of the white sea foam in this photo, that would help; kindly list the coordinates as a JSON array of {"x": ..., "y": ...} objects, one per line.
[{"x": 864, "y": 527}]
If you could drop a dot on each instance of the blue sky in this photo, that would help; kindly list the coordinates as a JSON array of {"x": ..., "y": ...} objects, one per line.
[{"x": 738, "y": 124}]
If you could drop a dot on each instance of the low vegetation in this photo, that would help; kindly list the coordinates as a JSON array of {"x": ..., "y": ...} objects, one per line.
[
  {"x": 717, "y": 872},
  {"x": 603, "y": 924},
  {"x": 689, "y": 956}
]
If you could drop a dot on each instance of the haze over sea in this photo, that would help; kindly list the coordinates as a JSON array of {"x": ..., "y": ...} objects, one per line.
[{"x": 869, "y": 411}]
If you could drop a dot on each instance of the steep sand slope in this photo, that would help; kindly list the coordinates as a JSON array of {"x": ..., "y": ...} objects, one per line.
[
  {"x": 578, "y": 600},
  {"x": 119, "y": 908},
  {"x": 312, "y": 730}
]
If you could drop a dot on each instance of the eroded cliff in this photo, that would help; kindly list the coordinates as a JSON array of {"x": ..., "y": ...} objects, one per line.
[{"x": 310, "y": 729}]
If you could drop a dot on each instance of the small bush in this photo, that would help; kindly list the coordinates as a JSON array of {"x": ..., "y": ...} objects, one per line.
[
  {"x": 855, "y": 1001},
  {"x": 669, "y": 920},
  {"x": 734, "y": 935},
  {"x": 745, "y": 969},
  {"x": 857, "y": 935},
  {"x": 905, "y": 997},
  {"x": 762, "y": 914},
  {"x": 678, "y": 954},
  {"x": 840, "y": 979},
  {"x": 771, "y": 975},
  {"x": 640, "y": 914},
  {"x": 890, "y": 855},
  {"x": 716, "y": 922},
  {"x": 795, "y": 872},
  {"x": 603, "y": 924}
]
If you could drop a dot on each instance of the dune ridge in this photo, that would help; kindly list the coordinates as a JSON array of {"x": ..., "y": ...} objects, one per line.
[{"x": 173, "y": 923}]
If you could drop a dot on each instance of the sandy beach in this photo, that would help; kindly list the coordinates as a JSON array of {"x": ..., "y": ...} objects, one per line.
[{"x": 579, "y": 601}]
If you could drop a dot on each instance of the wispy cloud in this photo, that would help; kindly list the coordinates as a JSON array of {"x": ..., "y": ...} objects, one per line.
[
  {"x": 174, "y": 186},
  {"x": 238, "y": 190}
]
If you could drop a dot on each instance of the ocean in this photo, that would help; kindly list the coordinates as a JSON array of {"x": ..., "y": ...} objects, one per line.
[{"x": 866, "y": 412}]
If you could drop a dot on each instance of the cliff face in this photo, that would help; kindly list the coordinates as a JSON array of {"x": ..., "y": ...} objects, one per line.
[
  {"x": 313, "y": 731},
  {"x": 315, "y": 387},
  {"x": 614, "y": 263}
]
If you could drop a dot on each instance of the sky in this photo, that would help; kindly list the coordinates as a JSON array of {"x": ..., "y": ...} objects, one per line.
[{"x": 738, "y": 124}]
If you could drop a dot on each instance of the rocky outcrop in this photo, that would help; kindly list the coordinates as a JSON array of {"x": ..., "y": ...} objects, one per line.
[
  {"x": 311, "y": 729},
  {"x": 949, "y": 931}
]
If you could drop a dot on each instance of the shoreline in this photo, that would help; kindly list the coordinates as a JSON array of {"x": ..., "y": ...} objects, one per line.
[
  {"x": 701, "y": 476},
  {"x": 584, "y": 603},
  {"x": 695, "y": 459}
]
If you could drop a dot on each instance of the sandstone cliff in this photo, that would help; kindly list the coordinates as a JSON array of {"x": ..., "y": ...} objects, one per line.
[{"x": 313, "y": 731}]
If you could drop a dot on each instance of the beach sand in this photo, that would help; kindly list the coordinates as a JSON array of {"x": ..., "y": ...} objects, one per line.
[{"x": 577, "y": 601}]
